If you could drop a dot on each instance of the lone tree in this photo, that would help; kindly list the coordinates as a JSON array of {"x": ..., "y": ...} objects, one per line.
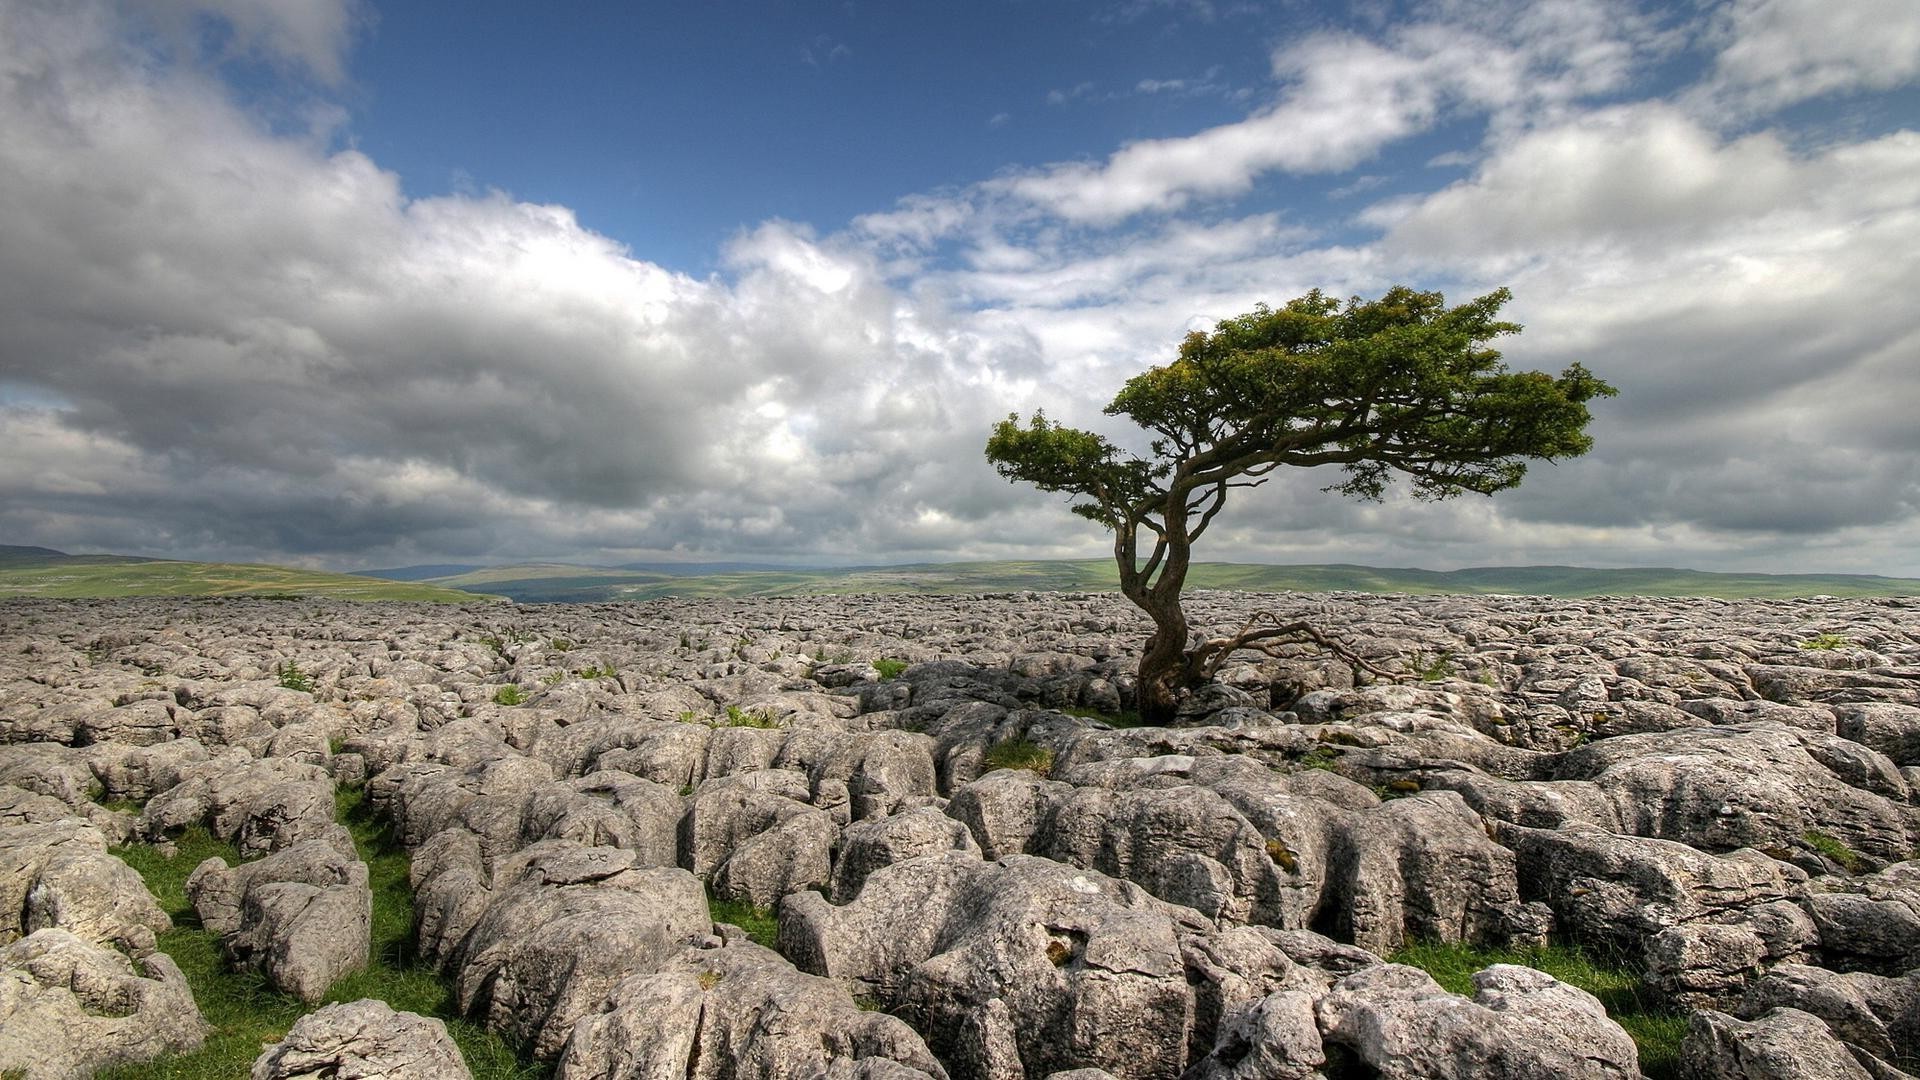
[{"x": 1402, "y": 384}]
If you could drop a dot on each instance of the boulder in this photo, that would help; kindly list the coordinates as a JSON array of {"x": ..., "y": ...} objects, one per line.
[
  {"x": 563, "y": 926},
  {"x": 301, "y": 916},
  {"x": 1018, "y": 967},
  {"x": 1782, "y": 1044},
  {"x": 363, "y": 1040},
  {"x": 71, "y": 1007},
  {"x": 1872, "y": 1014},
  {"x": 1520, "y": 1024},
  {"x": 732, "y": 1010},
  {"x": 59, "y": 874}
]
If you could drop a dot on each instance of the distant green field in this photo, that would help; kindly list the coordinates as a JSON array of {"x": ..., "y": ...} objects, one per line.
[
  {"x": 90, "y": 576},
  {"x": 38, "y": 572},
  {"x": 546, "y": 583}
]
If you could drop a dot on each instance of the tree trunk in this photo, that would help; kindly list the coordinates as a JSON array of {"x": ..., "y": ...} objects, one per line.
[{"x": 1163, "y": 666}]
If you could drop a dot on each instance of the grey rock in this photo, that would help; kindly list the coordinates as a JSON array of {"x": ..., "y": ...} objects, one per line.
[
  {"x": 755, "y": 836},
  {"x": 363, "y": 1040},
  {"x": 59, "y": 874},
  {"x": 71, "y": 1006},
  {"x": 1618, "y": 892},
  {"x": 1521, "y": 1023},
  {"x": 1011, "y": 968},
  {"x": 563, "y": 926},
  {"x": 1698, "y": 965},
  {"x": 1274, "y": 1038},
  {"x": 1873, "y": 1014},
  {"x": 1782, "y": 1044},
  {"x": 739, "y": 1011},
  {"x": 259, "y": 805},
  {"x": 302, "y": 916},
  {"x": 869, "y": 845}
]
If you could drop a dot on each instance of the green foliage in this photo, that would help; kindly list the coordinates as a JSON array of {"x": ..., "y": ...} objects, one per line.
[
  {"x": 1825, "y": 642},
  {"x": 760, "y": 924},
  {"x": 1656, "y": 1031},
  {"x": 561, "y": 644},
  {"x": 759, "y": 718},
  {"x": 553, "y": 678},
  {"x": 1440, "y": 666},
  {"x": 1018, "y": 753},
  {"x": 510, "y": 694},
  {"x": 293, "y": 678},
  {"x": 1320, "y": 757},
  {"x": 889, "y": 668},
  {"x": 246, "y": 1014},
  {"x": 1836, "y": 849},
  {"x": 598, "y": 671},
  {"x": 1399, "y": 384},
  {"x": 1125, "y": 719}
]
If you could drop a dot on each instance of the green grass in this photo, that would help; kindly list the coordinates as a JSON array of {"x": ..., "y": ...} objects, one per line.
[
  {"x": 1836, "y": 849},
  {"x": 540, "y": 583},
  {"x": 247, "y": 1015},
  {"x": 739, "y": 717},
  {"x": 1018, "y": 753},
  {"x": 509, "y": 694},
  {"x": 1656, "y": 1031},
  {"x": 889, "y": 669},
  {"x": 293, "y": 678},
  {"x": 760, "y": 924},
  {"x": 85, "y": 577},
  {"x": 1825, "y": 642},
  {"x": 1125, "y": 719}
]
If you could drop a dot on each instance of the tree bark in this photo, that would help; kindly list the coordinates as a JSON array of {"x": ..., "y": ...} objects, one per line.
[{"x": 1163, "y": 666}]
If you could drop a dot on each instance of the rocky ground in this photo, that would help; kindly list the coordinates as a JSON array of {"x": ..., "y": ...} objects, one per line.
[{"x": 1720, "y": 795}]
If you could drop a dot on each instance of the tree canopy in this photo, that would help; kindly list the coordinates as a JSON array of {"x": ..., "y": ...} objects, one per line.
[{"x": 1402, "y": 385}]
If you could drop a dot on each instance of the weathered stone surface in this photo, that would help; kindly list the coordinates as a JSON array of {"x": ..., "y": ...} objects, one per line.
[
  {"x": 1011, "y": 968},
  {"x": 563, "y": 926},
  {"x": 1679, "y": 780},
  {"x": 736, "y": 1010},
  {"x": 363, "y": 1040},
  {"x": 260, "y": 805},
  {"x": 1521, "y": 1023},
  {"x": 1619, "y": 891},
  {"x": 70, "y": 1006},
  {"x": 302, "y": 916},
  {"x": 870, "y": 845},
  {"x": 1782, "y": 1044},
  {"x": 59, "y": 874},
  {"x": 1873, "y": 1014}
]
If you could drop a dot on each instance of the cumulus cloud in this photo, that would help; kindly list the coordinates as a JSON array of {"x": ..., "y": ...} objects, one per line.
[
  {"x": 229, "y": 338},
  {"x": 1751, "y": 302},
  {"x": 1778, "y": 52},
  {"x": 1344, "y": 97}
]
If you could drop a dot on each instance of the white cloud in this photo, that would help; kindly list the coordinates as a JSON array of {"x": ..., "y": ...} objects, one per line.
[
  {"x": 1343, "y": 98},
  {"x": 310, "y": 34},
  {"x": 1778, "y": 52},
  {"x": 229, "y": 340}
]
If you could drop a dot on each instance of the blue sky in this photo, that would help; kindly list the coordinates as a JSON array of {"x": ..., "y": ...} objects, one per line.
[{"x": 347, "y": 283}]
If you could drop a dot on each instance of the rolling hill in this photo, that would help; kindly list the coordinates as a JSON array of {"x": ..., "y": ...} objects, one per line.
[
  {"x": 545, "y": 583},
  {"x": 50, "y": 573},
  {"x": 45, "y": 572}
]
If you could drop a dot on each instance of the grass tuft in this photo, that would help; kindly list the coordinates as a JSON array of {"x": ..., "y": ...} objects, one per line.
[
  {"x": 1018, "y": 753},
  {"x": 762, "y": 925},
  {"x": 1836, "y": 849},
  {"x": 889, "y": 668}
]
